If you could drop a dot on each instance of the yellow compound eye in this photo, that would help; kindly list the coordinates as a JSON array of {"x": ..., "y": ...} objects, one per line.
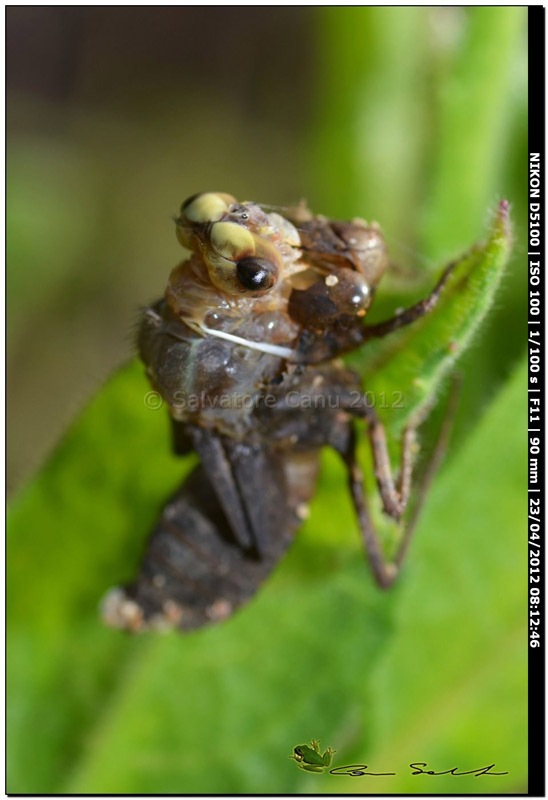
[
  {"x": 228, "y": 242},
  {"x": 231, "y": 241},
  {"x": 239, "y": 262},
  {"x": 206, "y": 207}
]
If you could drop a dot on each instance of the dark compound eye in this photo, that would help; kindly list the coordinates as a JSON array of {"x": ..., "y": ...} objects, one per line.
[{"x": 256, "y": 274}]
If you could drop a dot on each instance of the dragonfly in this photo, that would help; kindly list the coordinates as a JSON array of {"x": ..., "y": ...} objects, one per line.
[{"x": 254, "y": 321}]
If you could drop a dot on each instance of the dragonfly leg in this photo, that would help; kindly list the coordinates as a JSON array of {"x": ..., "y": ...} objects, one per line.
[
  {"x": 394, "y": 492},
  {"x": 384, "y": 570},
  {"x": 340, "y": 338},
  {"x": 412, "y": 313}
]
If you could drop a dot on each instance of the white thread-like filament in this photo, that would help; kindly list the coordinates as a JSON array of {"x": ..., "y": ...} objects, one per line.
[{"x": 264, "y": 347}]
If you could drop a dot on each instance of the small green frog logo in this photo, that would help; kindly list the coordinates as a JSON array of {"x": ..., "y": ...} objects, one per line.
[{"x": 310, "y": 758}]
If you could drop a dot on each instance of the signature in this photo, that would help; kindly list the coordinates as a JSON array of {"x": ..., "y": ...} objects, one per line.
[{"x": 358, "y": 770}]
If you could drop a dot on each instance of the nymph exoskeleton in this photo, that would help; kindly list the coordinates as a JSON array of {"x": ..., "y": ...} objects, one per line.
[{"x": 257, "y": 314}]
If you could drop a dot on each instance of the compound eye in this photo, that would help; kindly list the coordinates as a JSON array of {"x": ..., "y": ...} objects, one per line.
[
  {"x": 256, "y": 274},
  {"x": 206, "y": 207},
  {"x": 231, "y": 241}
]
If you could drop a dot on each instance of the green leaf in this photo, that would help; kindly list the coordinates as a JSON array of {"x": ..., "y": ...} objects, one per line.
[
  {"x": 320, "y": 652},
  {"x": 474, "y": 101},
  {"x": 372, "y": 67},
  {"x": 420, "y": 123},
  {"x": 73, "y": 533},
  {"x": 410, "y": 365},
  {"x": 451, "y": 687}
]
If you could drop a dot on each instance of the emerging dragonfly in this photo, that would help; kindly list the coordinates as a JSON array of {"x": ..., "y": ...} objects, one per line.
[{"x": 261, "y": 309}]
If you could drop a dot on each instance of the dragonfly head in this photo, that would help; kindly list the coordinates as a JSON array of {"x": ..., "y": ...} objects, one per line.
[{"x": 242, "y": 247}]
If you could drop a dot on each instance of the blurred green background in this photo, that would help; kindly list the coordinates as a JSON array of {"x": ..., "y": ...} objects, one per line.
[{"x": 415, "y": 117}]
